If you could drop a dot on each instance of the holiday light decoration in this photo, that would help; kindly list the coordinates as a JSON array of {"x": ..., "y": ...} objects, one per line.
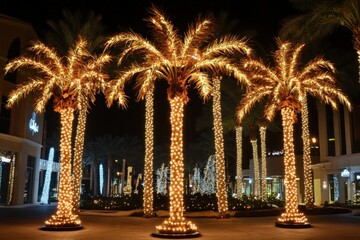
[
  {"x": 256, "y": 167},
  {"x": 284, "y": 86},
  {"x": 8, "y": 157},
  {"x": 208, "y": 185},
  {"x": 239, "y": 188},
  {"x": 182, "y": 62},
  {"x": 70, "y": 81},
  {"x": 196, "y": 180},
  {"x": 262, "y": 130},
  {"x": 219, "y": 150},
  {"x": 149, "y": 156},
  {"x": 309, "y": 196},
  {"x": 101, "y": 178},
  {"x": 49, "y": 166}
]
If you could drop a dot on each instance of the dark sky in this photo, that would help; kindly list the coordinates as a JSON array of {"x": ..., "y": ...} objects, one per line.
[{"x": 260, "y": 18}]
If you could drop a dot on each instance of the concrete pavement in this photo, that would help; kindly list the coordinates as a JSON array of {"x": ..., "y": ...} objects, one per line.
[{"x": 24, "y": 223}]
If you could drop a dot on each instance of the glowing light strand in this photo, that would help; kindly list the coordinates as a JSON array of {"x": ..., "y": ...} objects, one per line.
[
  {"x": 239, "y": 188},
  {"x": 219, "y": 149},
  {"x": 149, "y": 146},
  {"x": 291, "y": 213},
  {"x": 49, "y": 166},
  {"x": 263, "y": 161},
  {"x": 309, "y": 196},
  {"x": 176, "y": 222},
  {"x": 256, "y": 167}
]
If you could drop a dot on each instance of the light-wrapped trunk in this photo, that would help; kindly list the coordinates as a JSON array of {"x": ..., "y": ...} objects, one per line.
[
  {"x": 176, "y": 223},
  {"x": 291, "y": 214},
  {"x": 77, "y": 165},
  {"x": 64, "y": 215},
  {"x": 149, "y": 146},
  {"x": 263, "y": 162},
  {"x": 256, "y": 167},
  {"x": 306, "y": 153},
  {"x": 239, "y": 186},
  {"x": 219, "y": 149}
]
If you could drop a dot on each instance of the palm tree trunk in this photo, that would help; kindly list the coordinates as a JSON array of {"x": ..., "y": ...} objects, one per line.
[
  {"x": 306, "y": 154},
  {"x": 96, "y": 177},
  {"x": 292, "y": 214},
  {"x": 263, "y": 162},
  {"x": 64, "y": 215},
  {"x": 149, "y": 147},
  {"x": 176, "y": 223},
  {"x": 77, "y": 165},
  {"x": 239, "y": 186},
  {"x": 219, "y": 150},
  {"x": 256, "y": 167}
]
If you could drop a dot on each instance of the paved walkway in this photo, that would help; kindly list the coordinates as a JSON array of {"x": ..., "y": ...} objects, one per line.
[{"x": 24, "y": 223}]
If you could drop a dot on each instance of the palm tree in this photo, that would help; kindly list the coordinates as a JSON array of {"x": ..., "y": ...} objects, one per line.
[
  {"x": 62, "y": 35},
  {"x": 239, "y": 174},
  {"x": 321, "y": 18},
  {"x": 68, "y": 80},
  {"x": 180, "y": 62},
  {"x": 109, "y": 146},
  {"x": 262, "y": 130},
  {"x": 285, "y": 85}
]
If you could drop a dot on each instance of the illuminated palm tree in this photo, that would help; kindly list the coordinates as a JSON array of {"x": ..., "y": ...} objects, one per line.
[
  {"x": 321, "y": 18},
  {"x": 69, "y": 81},
  {"x": 262, "y": 130},
  {"x": 284, "y": 86},
  {"x": 62, "y": 35},
  {"x": 180, "y": 62},
  {"x": 239, "y": 175}
]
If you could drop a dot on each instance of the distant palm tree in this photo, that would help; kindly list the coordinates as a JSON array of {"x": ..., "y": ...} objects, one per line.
[
  {"x": 284, "y": 86},
  {"x": 320, "y": 18},
  {"x": 92, "y": 157},
  {"x": 109, "y": 146},
  {"x": 180, "y": 62},
  {"x": 68, "y": 80}
]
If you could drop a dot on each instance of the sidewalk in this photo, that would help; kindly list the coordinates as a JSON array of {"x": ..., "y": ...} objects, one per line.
[{"x": 24, "y": 223}]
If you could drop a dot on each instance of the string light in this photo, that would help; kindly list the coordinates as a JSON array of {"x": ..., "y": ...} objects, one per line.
[
  {"x": 45, "y": 192},
  {"x": 219, "y": 150},
  {"x": 149, "y": 146},
  {"x": 72, "y": 81},
  {"x": 262, "y": 130},
  {"x": 182, "y": 62},
  {"x": 285, "y": 84},
  {"x": 256, "y": 167},
  {"x": 239, "y": 174},
  {"x": 101, "y": 178},
  {"x": 309, "y": 196},
  {"x": 176, "y": 222},
  {"x": 65, "y": 217}
]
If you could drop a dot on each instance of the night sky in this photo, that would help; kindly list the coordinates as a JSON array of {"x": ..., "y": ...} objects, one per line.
[{"x": 258, "y": 19}]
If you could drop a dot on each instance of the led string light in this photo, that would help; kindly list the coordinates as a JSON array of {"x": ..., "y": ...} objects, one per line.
[
  {"x": 239, "y": 186},
  {"x": 149, "y": 146},
  {"x": 219, "y": 150},
  {"x": 64, "y": 215},
  {"x": 72, "y": 81},
  {"x": 49, "y": 166},
  {"x": 291, "y": 213},
  {"x": 176, "y": 223},
  {"x": 309, "y": 196},
  {"x": 256, "y": 167},
  {"x": 284, "y": 84},
  {"x": 262, "y": 130}
]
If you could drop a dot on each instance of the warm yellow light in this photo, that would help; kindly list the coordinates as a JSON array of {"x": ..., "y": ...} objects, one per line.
[
  {"x": 219, "y": 150},
  {"x": 284, "y": 86},
  {"x": 149, "y": 142},
  {"x": 239, "y": 174},
  {"x": 313, "y": 140},
  {"x": 256, "y": 167},
  {"x": 263, "y": 162},
  {"x": 176, "y": 223}
]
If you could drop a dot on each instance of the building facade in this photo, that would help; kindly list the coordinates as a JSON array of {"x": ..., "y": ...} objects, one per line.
[
  {"x": 337, "y": 176},
  {"x": 21, "y": 129}
]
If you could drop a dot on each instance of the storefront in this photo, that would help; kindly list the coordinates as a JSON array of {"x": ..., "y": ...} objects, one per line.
[{"x": 337, "y": 180}]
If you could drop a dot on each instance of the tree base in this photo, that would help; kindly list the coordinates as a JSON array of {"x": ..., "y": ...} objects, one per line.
[
  {"x": 292, "y": 225},
  {"x": 74, "y": 227},
  {"x": 176, "y": 235},
  {"x": 223, "y": 215}
]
